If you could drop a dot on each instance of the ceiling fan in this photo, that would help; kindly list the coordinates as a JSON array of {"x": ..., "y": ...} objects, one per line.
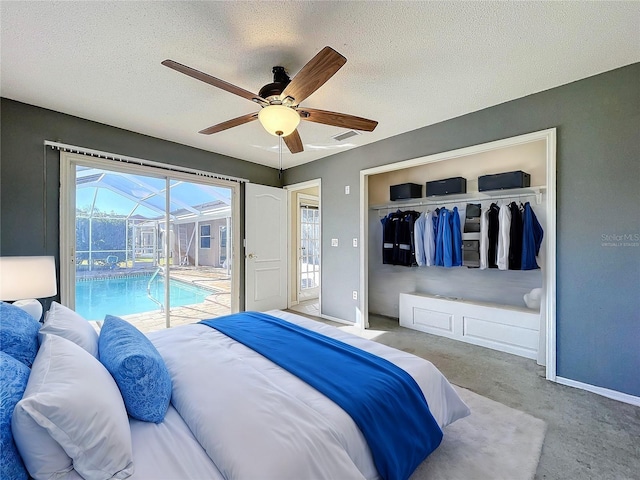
[{"x": 280, "y": 101}]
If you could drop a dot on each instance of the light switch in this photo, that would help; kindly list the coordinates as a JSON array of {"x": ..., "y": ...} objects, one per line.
[
  {"x": 346, "y": 189},
  {"x": 355, "y": 242},
  {"x": 334, "y": 242}
]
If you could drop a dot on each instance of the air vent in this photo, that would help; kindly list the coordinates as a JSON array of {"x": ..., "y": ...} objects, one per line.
[{"x": 343, "y": 136}]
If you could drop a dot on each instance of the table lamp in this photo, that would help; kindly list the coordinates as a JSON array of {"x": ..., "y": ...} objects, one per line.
[{"x": 26, "y": 279}]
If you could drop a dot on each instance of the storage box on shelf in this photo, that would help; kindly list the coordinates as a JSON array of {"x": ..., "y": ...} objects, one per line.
[
  {"x": 504, "y": 181},
  {"x": 405, "y": 191},
  {"x": 447, "y": 186}
]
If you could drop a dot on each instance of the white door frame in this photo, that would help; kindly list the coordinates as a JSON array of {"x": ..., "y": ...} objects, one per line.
[
  {"x": 549, "y": 278},
  {"x": 292, "y": 277}
]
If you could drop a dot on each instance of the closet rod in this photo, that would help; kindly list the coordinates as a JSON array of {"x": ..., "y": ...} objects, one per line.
[{"x": 469, "y": 199}]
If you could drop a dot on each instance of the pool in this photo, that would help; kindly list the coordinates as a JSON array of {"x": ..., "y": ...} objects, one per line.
[{"x": 128, "y": 295}]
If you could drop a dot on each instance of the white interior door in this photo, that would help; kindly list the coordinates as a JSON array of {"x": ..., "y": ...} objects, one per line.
[{"x": 265, "y": 247}]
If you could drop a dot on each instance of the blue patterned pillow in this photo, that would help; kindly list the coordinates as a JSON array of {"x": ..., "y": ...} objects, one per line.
[
  {"x": 13, "y": 381},
  {"x": 137, "y": 368},
  {"x": 18, "y": 333}
]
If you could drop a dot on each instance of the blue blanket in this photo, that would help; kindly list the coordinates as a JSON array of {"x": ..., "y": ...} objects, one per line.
[{"x": 384, "y": 401}]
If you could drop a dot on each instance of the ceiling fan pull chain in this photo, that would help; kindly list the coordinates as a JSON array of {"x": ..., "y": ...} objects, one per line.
[{"x": 280, "y": 155}]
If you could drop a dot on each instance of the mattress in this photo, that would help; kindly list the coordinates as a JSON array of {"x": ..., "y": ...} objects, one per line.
[{"x": 235, "y": 414}]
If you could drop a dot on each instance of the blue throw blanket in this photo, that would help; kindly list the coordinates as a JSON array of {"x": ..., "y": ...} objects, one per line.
[{"x": 384, "y": 400}]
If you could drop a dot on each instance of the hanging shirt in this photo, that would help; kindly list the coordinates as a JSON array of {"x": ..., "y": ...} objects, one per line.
[
  {"x": 456, "y": 237},
  {"x": 439, "y": 256},
  {"x": 447, "y": 239},
  {"x": 515, "y": 237},
  {"x": 430, "y": 238},
  {"x": 492, "y": 256},
  {"x": 419, "y": 229},
  {"x": 484, "y": 239},
  {"x": 504, "y": 231},
  {"x": 532, "y": 234},
  {"x": 389, "y": 249}
]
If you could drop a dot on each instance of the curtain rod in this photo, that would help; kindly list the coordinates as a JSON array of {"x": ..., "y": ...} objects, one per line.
[{"x": 140, "y": 161}]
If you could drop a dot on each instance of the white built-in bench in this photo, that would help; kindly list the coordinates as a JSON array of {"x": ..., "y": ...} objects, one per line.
[{"x": 500, "y": 327}]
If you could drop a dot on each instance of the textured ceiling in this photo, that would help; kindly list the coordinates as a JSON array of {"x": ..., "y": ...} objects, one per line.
[{"x": 409, "y": 64}]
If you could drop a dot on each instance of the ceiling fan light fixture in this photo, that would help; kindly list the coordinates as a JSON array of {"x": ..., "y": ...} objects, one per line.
[{"x": 279, "y": 120}]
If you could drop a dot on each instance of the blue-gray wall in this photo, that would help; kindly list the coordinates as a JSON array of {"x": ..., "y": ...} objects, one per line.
[
  {"x": 29, "y": 193},
  {"x": 598, "y": 193}
]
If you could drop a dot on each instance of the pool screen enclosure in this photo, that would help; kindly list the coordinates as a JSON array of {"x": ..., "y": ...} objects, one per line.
[{"x": 135, "y": 221}]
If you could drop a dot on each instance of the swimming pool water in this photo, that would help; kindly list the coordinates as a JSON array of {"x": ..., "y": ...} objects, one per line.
[{"x": 128, "y": 295}]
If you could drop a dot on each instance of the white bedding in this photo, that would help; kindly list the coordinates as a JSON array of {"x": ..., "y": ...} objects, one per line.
[
  {"x": 256, "y": 420},
  {"x": 166, "y": 451}
]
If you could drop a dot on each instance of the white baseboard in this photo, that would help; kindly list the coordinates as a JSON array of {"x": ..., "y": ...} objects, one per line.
[
  {"x": 605, "y": 392},
  {"x": 337, "y": 320}
]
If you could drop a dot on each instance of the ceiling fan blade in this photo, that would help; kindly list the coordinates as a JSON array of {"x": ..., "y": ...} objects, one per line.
[
  {"x": 294, "y": 143},
  {"x": 337, "y": 119},
  {"x": 314, "y": 74},
  {"x": 216, "y": 82},
  {"x": 230, "y": 123}
]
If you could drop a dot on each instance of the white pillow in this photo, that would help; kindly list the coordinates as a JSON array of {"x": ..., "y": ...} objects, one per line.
[
  {"x": 74, "y": 399},
  {"x": 64, "y": 322}
]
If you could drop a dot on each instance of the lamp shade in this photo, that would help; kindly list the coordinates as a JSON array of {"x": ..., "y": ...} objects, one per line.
[
  {"x": 279, "y": 120},
  {"x": 27, "y": 277}
]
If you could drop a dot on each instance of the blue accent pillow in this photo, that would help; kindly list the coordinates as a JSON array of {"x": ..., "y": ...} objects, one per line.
[
  {"x": 13, "y": 381},
  {"x": 18, "y": 333},
  {"x": 138, "y": 369}
]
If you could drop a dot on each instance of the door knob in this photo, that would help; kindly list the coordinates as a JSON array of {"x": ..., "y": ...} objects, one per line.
[{"x": 252, "y": 255}]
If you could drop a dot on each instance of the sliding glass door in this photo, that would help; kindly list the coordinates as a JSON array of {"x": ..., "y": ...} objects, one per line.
[{"x": 152, "y": 248}]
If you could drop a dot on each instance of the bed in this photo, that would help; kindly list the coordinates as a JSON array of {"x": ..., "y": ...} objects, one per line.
[{"x": 232, "y": 413}]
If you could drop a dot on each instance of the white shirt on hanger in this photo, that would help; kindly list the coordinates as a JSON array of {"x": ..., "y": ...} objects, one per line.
[
  {"x": 418, "y": 237},
  {"x": 504, "y": 222}
]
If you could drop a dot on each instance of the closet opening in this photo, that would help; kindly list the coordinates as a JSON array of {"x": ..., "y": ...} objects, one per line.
[{"x": 492, "y": 307}]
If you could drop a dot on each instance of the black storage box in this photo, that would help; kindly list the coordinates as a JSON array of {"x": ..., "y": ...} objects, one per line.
[
  {"x": 502, "y": 181},
  {"x": 405, "y": 190},
  {"x": 447, "y": 186}
]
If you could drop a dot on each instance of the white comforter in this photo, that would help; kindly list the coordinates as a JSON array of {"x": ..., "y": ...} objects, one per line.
[{"x": 258, "y": 421}]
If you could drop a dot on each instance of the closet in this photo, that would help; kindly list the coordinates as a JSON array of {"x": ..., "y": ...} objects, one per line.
[{"x": 482, "y": 306}]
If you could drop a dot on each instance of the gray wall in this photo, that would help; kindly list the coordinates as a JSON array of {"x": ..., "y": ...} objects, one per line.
[
  {"x": 29, "y": 193},
  {"x": 598, "y": 188}
]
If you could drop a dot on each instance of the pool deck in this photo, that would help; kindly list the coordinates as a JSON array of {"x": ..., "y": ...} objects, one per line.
[{"x": 215, "y": 305}]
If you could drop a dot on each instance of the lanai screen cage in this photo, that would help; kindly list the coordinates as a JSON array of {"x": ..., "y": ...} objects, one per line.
[{"x": 121, "y": 222}]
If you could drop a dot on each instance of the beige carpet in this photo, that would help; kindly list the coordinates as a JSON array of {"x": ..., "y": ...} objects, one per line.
[{"x": 495, "y": 442}]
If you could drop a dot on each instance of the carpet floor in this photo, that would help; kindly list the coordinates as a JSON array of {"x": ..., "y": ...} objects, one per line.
[
  {"x": 495, "y": 442},
  {"x": 588, "y": 437}
]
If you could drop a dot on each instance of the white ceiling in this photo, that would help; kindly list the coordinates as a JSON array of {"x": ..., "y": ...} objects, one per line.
[{"x": 409, "y": 64}]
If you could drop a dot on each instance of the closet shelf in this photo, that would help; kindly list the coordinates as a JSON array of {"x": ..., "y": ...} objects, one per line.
[{"x": 469, "y": 196}]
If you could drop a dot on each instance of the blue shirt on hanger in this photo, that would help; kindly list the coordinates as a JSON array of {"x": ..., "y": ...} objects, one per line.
[
  {"x": 532, "y": 234},
  {"x": 456, "y": 238}
]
